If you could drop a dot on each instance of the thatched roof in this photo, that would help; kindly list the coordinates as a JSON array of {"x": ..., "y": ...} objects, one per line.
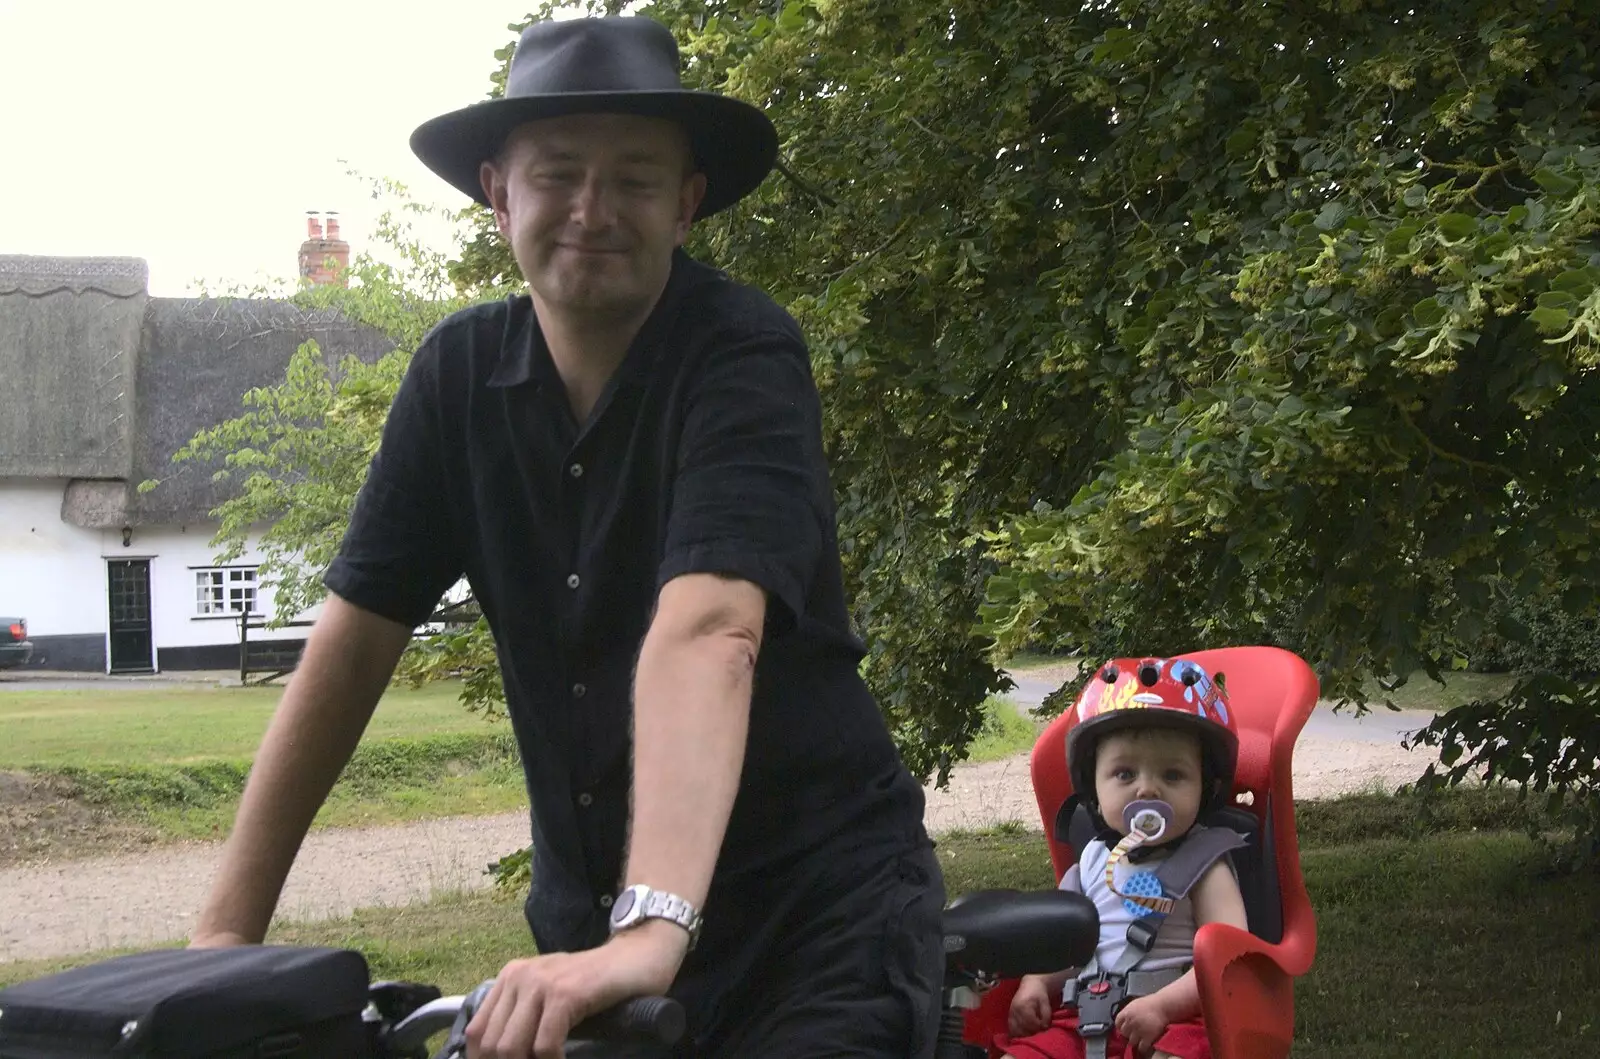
[
  {"x": 69, "y": 341},
  {"x": 200, "y": 357},
  {"x": 109, "y": 382}
]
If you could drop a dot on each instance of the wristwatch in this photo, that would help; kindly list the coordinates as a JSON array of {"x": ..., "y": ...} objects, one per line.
[{"x": 638, "y": 903}]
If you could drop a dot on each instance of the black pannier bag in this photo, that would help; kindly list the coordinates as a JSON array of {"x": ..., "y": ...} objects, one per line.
[{"x": 249, "y": 1002}]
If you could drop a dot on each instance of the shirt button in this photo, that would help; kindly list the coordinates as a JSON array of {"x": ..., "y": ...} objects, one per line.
[
  {"x": 572, "y": 581},
  {"x": 586, "y": 799},
  {"x": 576, "y": 470},
  {"x": 579, "y": 691},
  {"x": 605, "y": 900}
]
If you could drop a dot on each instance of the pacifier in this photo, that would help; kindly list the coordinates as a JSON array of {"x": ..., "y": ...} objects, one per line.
[{"x": 1149, "y": 819}]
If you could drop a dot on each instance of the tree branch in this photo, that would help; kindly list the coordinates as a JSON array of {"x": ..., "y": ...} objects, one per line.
[
  {"x": 870, "y": 254},
  {"x": 934, "y": 135},
  {"x": 1434, "y": 449},
  {"x": 819, "y": 196}
]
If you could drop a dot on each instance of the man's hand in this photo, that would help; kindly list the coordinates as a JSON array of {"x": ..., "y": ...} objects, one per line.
[
  {"x": 1142, "y": 1021},
  {"x": 535, "y": 1003},
  {"x": 1030, "y": 1007}
]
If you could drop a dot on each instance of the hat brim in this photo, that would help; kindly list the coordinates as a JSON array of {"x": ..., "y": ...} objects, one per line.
[{"x": 734, "y": 143}]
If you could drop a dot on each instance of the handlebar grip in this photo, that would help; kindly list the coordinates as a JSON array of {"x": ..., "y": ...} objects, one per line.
[{"x": 657, "y": 1019}]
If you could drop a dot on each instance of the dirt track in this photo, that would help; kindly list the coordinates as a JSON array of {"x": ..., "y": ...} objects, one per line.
[{"x": 50, "y": 909}]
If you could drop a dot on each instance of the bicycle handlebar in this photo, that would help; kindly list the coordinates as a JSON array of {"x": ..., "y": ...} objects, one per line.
[
  {"x": 649, "y": 1019},
  {"x": 657, "y": 1019}
]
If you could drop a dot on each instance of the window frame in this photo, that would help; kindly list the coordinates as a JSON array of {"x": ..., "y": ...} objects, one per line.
[{"x": 243, "y": 578}]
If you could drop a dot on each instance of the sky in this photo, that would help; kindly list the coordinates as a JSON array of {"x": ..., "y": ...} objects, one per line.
[{"x": 197, "y": 135}]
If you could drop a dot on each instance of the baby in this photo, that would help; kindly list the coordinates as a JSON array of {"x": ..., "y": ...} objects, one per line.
[{"x": 1153, "y": 748}]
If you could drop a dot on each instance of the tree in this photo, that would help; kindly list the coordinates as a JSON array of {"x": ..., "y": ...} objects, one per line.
[
  {"x": 1165, "y": 323},
  {"x": 1148, "y": 325},
  {"x": 301, "y": 449}
]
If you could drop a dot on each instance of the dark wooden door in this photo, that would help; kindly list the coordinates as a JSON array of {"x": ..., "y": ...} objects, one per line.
[{"x": 131, "y": 644}]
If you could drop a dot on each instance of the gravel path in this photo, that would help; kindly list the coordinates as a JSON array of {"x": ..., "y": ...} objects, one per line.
[{"x": 56, "y": 909}]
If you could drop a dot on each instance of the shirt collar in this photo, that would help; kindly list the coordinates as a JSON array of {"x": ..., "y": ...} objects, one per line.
[{"x": 524, "y": 355}]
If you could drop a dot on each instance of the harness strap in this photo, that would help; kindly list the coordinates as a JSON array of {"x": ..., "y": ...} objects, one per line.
[
  {"x": 1099, "y": 999},
  {"x": 1099, "y": 994},
  {"x": 1136, "y": 983},
  {"x": 1200, "y": 848},
  {"x": 1178, "y": 873}
]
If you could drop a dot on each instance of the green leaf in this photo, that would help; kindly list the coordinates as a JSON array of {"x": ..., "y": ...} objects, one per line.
[
  {"x": 1416, "y": 196},
  {"x": 792, "y": 17},
  {"x": 1457, "y": 226},
  {"x": 1579, "y": 600},
  {"x": 1550, "y": 319},
  {"x": 1119, "y": 46},
  {"x": 1390, "y": 322},
  {"x": 1428, "y": 312},
  {"x": 1577, "y": 282},
  {"x": 1331, "y": 216},
  {"x": 1398, "y": 240},
  {"x": 1553, "y": 182}
]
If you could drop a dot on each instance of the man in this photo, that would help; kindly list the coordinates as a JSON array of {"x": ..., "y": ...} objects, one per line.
[{"x": 627, "y": 465}]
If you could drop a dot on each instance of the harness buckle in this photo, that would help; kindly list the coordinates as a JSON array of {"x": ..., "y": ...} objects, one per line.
[{"x": 1098, "y": 1000}]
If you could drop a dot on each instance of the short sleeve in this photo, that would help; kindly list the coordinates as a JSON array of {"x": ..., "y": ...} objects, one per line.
[
  {"x": 750, "y": 475},
  {"x": 399, "y": 553}
]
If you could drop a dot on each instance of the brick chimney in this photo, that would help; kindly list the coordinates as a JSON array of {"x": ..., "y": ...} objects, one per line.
[{"x": 324, "y": 257}]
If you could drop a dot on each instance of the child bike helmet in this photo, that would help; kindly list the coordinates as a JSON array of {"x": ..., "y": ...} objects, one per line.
[{"x": 1149, "y": 692}]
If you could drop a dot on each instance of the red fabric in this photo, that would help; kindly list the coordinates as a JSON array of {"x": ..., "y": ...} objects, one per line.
[
  {"x": 988, "y": 1020},
  {"x": 1186, "y": 1040}
]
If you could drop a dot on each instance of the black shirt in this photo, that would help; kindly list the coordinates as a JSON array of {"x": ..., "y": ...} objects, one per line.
[{"x": 703, "y": 454}]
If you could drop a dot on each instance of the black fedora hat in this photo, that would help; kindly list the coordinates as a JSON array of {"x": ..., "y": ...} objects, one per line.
[{"x": 618, "y": 65}]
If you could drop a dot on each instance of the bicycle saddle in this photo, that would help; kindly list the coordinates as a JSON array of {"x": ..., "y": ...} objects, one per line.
[{"x": 1010, "y": 933}]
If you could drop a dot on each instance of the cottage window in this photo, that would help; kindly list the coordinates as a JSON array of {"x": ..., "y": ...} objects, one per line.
[{"x": 225, "y": 590}]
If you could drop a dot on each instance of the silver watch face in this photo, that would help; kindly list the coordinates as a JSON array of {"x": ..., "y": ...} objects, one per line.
[{"x": 623, "y": 906}]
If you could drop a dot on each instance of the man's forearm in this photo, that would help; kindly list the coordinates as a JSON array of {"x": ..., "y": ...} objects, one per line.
[
  {"x": 691, "y": 721},
  {"x": 330, "y": 698}
]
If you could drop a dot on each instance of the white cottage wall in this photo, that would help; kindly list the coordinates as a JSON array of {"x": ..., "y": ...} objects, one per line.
[
  {"x": 51, "y": 572},
  {"x": 54, "y": 574}
]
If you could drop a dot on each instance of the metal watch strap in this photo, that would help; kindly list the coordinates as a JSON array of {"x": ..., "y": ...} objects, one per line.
[{"x": 659, "y": 904}]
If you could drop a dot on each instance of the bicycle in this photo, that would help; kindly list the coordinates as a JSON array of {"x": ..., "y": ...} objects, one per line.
[
  {"x": 988, "y": 935},
  {"x": 158, "y": 1004}
]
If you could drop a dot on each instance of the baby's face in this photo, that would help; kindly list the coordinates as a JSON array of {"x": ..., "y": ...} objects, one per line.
[{"x": 1154, "y": 763}]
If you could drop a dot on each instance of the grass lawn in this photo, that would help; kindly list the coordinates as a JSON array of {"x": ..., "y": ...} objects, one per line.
[
  {"x": 1005, "y": 732},
  {"x": 173, "y": 761},
  {"x": 1421, "y": 692},
  {"x": 1434, "y": 942},
  {"x": 450, "y": 789},
  {"x": 162, "y": 726},
  {"x": 193, "y": 725}
]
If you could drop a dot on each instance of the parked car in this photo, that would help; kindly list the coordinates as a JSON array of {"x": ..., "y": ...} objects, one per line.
[{"x": 15, "y": 649}]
